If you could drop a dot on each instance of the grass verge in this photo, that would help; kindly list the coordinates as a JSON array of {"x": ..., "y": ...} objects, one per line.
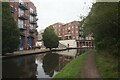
[
  {"x": 72, "y": 69},
  {"x": 107, "y": 65}
]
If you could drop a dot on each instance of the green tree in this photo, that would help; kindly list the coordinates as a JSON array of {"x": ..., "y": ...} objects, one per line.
[
  {"x": 102, "y": 21},
  {"x": 10, "y": 31},
  {"x": 50, "y": 39}
]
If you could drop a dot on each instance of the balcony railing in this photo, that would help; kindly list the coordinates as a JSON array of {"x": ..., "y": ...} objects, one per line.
[
  {"x": 32, "y": 35},
  {"x": 33, "y": 13},
  {"x": 23, "y": 17},
  {"x": 12, "y": 10},
  {"x": 22, "y": 27},
  {"x": 23, "y": 6},
  {"x": 32, "y": 30},
  {"x": 33, "y": 21},
  {"x": 36, "y": 32},
  {"x": 22, "y": 33},
  {"x": 36, "y": 25}
]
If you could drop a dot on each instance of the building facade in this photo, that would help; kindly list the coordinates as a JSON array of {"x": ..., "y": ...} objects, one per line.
[
  {"x": 71, "y": 35},
  {"x": 67, "y": 31},
  {"x": 58, "y": 30},
  {"x": 24, "y": 14},
  {"x": 72, "y": 31}
]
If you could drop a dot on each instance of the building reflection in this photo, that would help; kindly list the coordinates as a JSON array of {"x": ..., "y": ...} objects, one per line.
[
  {"x": 22, "y": 67},
  {"x": 63, "y": 60},
  {"x": 80, "y": 51}
]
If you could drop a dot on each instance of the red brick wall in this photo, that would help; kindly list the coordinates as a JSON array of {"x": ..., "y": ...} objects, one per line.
[
  {"x": 15, "y": 5},
  {"x": 62, "y": 30}
]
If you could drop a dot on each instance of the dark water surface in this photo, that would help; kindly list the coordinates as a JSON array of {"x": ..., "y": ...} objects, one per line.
[{"x": 45, "y": 65}]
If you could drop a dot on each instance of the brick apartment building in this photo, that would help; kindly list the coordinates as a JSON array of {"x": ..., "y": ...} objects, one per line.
[
  {"x": 72, "y": 31},
  {"x": 24, "y": 14},
  {"x": 67, "y": 31}
]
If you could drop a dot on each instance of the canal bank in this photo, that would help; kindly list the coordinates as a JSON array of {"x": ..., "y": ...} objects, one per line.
[
  {"x": 29, "y": 52},
  {"x": 81, "y": 67},
  {"x": 38, "y": 51},
  {"x": 73, "y": 69}
]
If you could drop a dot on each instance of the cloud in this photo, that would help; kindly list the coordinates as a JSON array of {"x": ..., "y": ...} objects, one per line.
[{"x": 52, "y": 11}]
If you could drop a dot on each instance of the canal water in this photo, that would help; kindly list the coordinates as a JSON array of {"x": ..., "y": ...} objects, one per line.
[{"x": 45, "y": 65}]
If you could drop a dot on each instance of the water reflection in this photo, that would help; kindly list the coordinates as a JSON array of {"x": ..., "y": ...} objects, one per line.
[
  {"x": 37, "y": 66},
  {"x": 50, "y": 62},
  {"x": 63, "y": 60},
  {"x": 22, "y": 67}
]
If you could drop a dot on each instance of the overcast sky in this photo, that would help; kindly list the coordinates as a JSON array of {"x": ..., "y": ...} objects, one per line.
[{"x": 52, "y": 11}]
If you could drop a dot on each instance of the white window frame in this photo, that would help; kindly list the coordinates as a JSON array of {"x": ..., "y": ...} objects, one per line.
[
  {"x": 20, "y": 12},
  {"x": 20, "y": 23}
]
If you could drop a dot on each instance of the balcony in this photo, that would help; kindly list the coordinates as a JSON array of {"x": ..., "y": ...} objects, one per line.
[
  {"x": 22, "y": 27},
  {"x": 22, "y": 33},
  {"x": 23, "y": 17},
  {"x": 23, "y": 6},
  {"x": 32, "y": 35},
  {"x": 12, "y": 10},
  {"x": 33, "y": 21},
  {"x": 32, "y": 30},
  {"x": 36, "y": 32},
  {"x": 36, "y": 25},
  {"x": 33, "y": 13}
]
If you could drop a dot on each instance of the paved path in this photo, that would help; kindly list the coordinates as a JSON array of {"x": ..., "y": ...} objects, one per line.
[
  {"x": 71, "y": 52},
  {"x": 29, "y": 52},
  {"x": 89, "y": 68}
]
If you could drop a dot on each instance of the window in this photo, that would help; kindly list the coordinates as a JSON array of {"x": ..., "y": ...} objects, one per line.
[
  {"x": 21, "y": 12},
  {"x": 76, "y": 37},
  {"x": 15, "y": 9},
  {"x": 68, "y": 28},
  {"x": 72, "y": 26},
  {"x": 31, "y": 26},
  {"x": 59, "y": 34},
  {"x": 31, "y": 18},
  {"x": 80, "y": 38},
  {"x": 20, "y": 23},
  {"x": 31, "y": 10},
  {"x": 59, "y": 25},
  {"x": 86, "y": 38},
  {"x": 76, "y": 26}
]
